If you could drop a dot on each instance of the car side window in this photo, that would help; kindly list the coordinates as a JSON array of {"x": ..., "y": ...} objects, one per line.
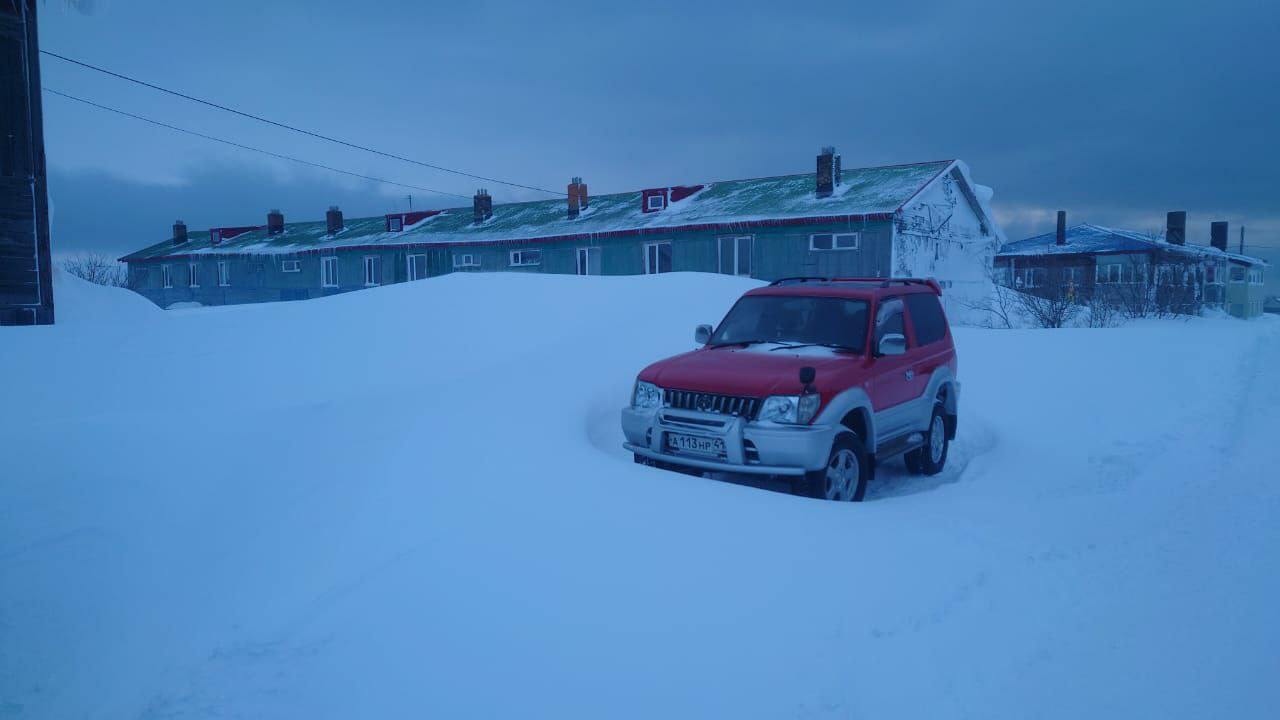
[
  {"x": 927, "y": 318},
  {"x": 889, "y": 319}
]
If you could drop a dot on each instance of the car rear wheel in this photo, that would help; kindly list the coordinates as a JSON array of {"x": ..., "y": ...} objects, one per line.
[
  {"x": 930, "y": 458},
  {"x": 844, "y": 479}
]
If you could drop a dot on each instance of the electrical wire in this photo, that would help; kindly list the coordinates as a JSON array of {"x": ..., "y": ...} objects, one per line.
[
  {"x": 281, "y": 156},
  {"x": 291, "y": 128}
]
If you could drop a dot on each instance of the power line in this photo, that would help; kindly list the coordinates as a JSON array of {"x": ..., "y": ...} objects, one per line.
[
  {"x": 248, "y": 147},
  {"x": 285, "y": 126}
]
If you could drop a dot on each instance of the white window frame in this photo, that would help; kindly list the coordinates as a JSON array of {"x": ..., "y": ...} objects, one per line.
[
  {"x": 518, "y": 258},
  {"x": 224, "y": 274},
  {"x": 648, "y": 270},
  {"x": 853, "y": 241},
  {"x": 411, "y": 270},
  {"x": 583, "y": 259},
  {"x": 167, "y": 275},
  {"x": 1231, "y": 275},
  {"x": 466, "y": 260},
  {"x": 325, "y": 275},
  {"x": 396, "y": 223},
  {"x": 193, "y": 275},
  {"x": 372, "y": 271},
  {"x": 737, "y": 254},
  {"x": 1028, "y": 276},
  {"x": 649, "y": 204},
  {"x": 290, "y": 266}
]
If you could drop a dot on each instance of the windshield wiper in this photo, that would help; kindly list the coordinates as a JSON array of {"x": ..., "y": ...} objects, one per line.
[{"x": 833, "y": 346}]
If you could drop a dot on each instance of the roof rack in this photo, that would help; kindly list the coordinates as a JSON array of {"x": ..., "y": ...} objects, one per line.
[
  {"x": 798, "y": 280},
  {"x": 882, "y": 282}
]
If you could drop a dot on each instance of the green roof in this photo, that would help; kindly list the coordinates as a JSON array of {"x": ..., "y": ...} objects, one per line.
[{"x": 863, "y": 191}]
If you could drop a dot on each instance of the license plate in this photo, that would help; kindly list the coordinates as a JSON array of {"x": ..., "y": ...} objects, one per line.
[{"x": 697, "y": 445}]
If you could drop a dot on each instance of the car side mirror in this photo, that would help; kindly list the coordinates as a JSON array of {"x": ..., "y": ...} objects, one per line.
[
  {"x": 702, "y": 334},
  {"x": 893, "y": 344}
]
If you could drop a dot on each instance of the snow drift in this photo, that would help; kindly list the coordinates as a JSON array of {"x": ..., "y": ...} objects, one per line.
[{"x": 410, "y": 502}]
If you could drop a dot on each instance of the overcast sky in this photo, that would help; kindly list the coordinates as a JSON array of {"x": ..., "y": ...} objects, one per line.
[{"x": 1114, "y": 111}]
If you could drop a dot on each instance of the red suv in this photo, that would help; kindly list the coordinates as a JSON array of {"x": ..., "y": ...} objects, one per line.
[{"x": 813, "y": 379}]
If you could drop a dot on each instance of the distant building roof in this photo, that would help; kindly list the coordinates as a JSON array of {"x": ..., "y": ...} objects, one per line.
[
  {"x": 863, "y": 192},
  {"x": 1097, "y": 240}
]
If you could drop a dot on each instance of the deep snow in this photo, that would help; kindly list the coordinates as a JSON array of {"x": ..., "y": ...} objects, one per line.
[{"x": 410, "y": 502}]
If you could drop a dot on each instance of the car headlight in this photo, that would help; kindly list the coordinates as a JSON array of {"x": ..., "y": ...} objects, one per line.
[
  {"x": 646, "y": 396},
  {"x": 790, "y": 409}
]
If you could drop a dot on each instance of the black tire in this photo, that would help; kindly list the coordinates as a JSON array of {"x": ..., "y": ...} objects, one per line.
[
  {"x": 817, "y": 484},
  {"x": 921, "y": 461}
]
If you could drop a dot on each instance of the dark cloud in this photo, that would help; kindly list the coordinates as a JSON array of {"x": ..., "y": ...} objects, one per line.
[
  {"x": 1115, "y": 111},
  {"x": 95, "y": 211}
]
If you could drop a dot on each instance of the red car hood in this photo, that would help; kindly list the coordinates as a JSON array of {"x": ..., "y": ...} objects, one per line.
[{"x": 753, "y": 372}]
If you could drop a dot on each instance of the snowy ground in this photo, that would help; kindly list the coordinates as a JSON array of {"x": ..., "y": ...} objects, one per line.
[{"x": 410, "y": 502}]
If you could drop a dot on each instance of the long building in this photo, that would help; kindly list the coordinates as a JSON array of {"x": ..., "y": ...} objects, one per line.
[{"x": 919, "y": 219}]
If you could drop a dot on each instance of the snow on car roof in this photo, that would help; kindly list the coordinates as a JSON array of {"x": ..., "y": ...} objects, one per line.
[{"x": 864, "y": 191}]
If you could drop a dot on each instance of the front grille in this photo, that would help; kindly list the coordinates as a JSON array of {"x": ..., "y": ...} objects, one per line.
[{"x": 712, "y": 403}]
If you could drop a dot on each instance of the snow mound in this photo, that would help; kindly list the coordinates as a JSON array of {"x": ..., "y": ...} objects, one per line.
[
  {"x": 411, "y": 502},
  {"x": 79, "y": 302}
]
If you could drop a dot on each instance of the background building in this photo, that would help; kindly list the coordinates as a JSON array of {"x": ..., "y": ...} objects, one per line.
[
  {"x": 26, "y": 286},
  {"x": 1136, "y": 272},
  {"x": 921, "y": 219}
]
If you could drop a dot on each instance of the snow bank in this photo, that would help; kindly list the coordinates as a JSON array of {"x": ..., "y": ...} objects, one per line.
[{"x": 410, "y": 502}]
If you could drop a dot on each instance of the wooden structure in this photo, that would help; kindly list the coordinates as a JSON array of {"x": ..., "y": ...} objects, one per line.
[{"x": 26, "y": 285}]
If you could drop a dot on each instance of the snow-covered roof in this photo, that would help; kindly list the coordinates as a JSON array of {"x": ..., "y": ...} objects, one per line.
[
  {"x": 863, "y": 192},
  {"x": 1097, "y": 240}
]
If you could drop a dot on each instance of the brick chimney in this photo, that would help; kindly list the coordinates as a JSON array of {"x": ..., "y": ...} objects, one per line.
[
  {"x": 1218, "y": 234},
  {"x": 828, "y": 161},
  {"x": 333, "y": 220},
  {"x": 577, "y": 197},
  {"x": 179, "y": 232},
  {"x": 1175, "y": 227},
  {"x": 275, "y": 222},
  {"x": 482, "y": 206},
  {"x": 1061, "y": 237}
]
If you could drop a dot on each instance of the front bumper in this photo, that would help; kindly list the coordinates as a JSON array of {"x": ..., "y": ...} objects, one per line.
[{"x": 755, "y": 448}]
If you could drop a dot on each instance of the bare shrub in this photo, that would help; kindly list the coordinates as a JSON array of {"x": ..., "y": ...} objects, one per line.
[{"x": 97, "y": 269}]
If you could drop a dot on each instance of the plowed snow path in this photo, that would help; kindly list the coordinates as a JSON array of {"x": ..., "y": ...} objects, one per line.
[{"x": 410, "y": 502}]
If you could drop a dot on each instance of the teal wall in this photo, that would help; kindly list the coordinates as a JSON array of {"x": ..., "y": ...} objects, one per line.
[{"x": 776, "y": 252}]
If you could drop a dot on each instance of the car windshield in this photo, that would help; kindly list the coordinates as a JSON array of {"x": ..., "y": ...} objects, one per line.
[{"x": 795, "y": 320}]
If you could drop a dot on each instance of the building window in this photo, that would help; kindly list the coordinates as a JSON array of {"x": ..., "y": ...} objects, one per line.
[
  {"x": 329, "y": 272},
  {"x": 466, "y": 260},
  {"x": 657, "y": 258},
  {"x": 1003, "y": 276},
  {"x": 735, "y": 255},
  {"x": 395, "y": 224},
  {"x": 193, "y": 275},
  {"x": 588, "y": 261},
  {"x": 1030, "y": 278},
  {"x": 655, "y": 202},
  {"x": 834, "y": 241},
  {"x": 372, "y": 271},
  {"x": 1255, "y": 276},
  {"x": 224, "y": 274},
  {"x": 168, "y": 276},
  {"x": 1117, "y": 272},
  {"x": 522, "y": 258},
  {"x": 290, "y": 266},
  {"x": 215, "y": 236},
  {"x": 417, "y": 266},
  {"x": 1237, "y": 274},
  {"x": 1073, "y": 276}
]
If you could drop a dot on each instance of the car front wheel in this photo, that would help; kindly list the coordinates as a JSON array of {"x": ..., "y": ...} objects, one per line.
[{"x": 845, "y": 476}]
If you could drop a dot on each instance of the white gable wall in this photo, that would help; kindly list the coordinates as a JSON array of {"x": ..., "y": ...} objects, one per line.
[{"x": 938, "y": 234}]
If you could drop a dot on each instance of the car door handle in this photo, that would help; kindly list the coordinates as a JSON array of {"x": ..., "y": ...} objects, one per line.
[{"x": 910, "y": 374}]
